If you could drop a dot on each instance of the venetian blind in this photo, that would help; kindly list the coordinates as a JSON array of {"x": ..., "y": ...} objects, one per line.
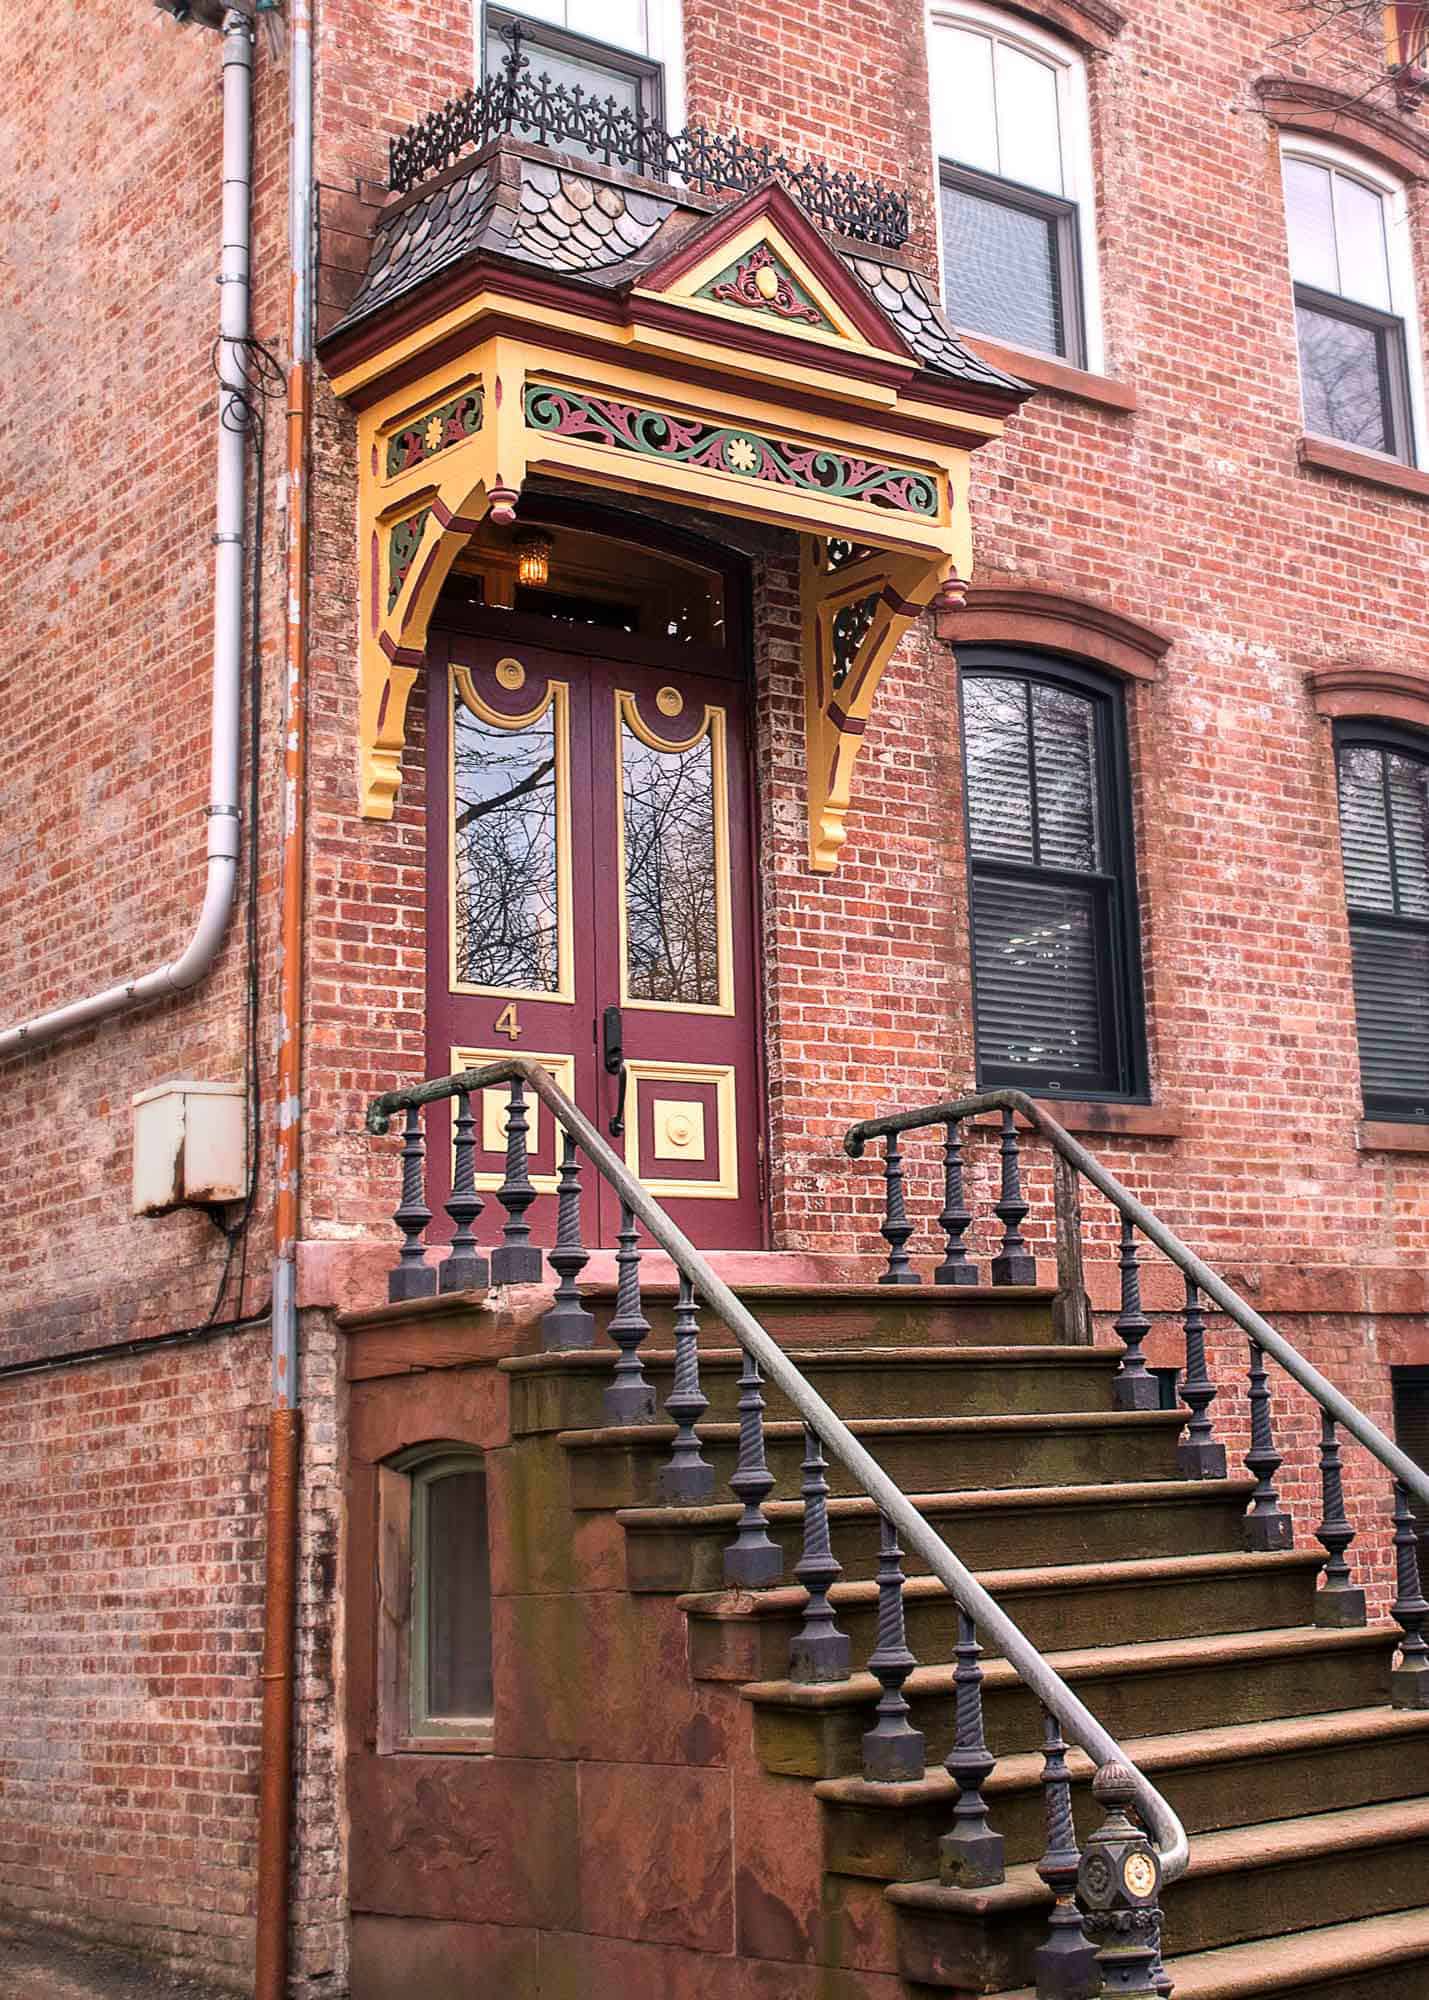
[{"x": 1384, "y": 833}]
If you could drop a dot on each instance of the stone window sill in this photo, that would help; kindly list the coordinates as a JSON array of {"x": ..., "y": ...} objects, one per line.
[
  {"x": 1044, "y": 372},
  {"x": 1131, "y": 1121},
  {"x": 480, "y": 1743},
  {"x": 1366, "y": 465},
  {"x": 1383, "y": 1135}
]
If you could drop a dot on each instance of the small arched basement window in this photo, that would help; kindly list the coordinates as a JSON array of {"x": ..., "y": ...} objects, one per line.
[
  {"x": 1383, "y": 774},
  {"x": 1056, "y": 962},
  {"x": 437, "y": 1592}
]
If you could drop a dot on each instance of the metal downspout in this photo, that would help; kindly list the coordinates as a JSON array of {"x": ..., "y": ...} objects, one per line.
[
  {"x": 194, "y": 962},
  {"x": 275, "y": 1817}
]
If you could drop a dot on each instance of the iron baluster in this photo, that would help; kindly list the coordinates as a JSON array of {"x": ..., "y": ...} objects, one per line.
[
  {"x": 752, "y": 1560},
  {"x": 1409, "y": 1683},
  {"x": 464, "y": 1270},
  {"x": 1065, "y": 1967},
  {"x": 1013, "y": 1265},
  {"x": 1337, "y": 1601},
  {"x": 1134, "y": 1386},
  {"x": 955, "y": 1218},
  {"x": 412, "y": 1277},
  {"x": 629, "y": 1398},
  {"x": 892, "y": 1749},
  {"x": 895, "y": 1227},
  {"x": 1198, "y": 1455},
  {"x": 568, "y": 1324},
  {"x": 819, "y": 1651},
  {"x": 686, "y": 1479},
  {"x": 971, "y": 1856},
  {"x": 1267, "y": 1526},
  {"x": 516, "y": 1260}
]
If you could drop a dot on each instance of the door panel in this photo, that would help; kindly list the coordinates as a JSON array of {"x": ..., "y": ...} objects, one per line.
[{"x": 590, "y": 850}]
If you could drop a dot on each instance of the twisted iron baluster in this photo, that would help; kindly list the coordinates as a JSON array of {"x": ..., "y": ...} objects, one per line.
[
  {"x": 892, "y": 1749},
  {"x": 895, "y": 1227},
  {"x": 1013, "y": 1264},
  {"x": 568, "y": 1324},
  {"x": 412, "y": 1277},
  {"x": 464, "y": 1270},
  {"x": 1267, "y": 1526},
  {"x": 1065, "y": 1967},
  {"x": 1409, "y": 1683},
  {"x": 1134, "y": 1386},
  {"x": 752, "y": 1560},
  {"x": 819, "y": 1652},
  {"x": 516, "y": 1260},
  {"x": 1198, "y": 1455},
  {"x": 955, "y": 1218},
  {"x": 686, "y": 1479},
  {"x": 629, "y": 1398},
  {"x": 971, "y": 1856},
  {"x": 1337, "y": 1602}
]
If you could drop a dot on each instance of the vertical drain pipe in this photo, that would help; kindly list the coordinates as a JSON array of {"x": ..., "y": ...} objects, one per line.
[{"x": 275, "y": 1818}]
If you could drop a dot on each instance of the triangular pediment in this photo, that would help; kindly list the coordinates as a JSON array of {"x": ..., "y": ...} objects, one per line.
[{"x": 763, "y": 262}]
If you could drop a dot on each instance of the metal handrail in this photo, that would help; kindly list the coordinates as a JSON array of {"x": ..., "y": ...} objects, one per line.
[
  {"x": 1330, "y": 1399},
  {"x": 1076, "y": 1720}
]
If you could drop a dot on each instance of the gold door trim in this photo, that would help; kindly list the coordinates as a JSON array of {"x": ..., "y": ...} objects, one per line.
[
  {"x": 557, "y": 693},
  {"x": 721, "y": 1075},
  {"x": 713, "y": 724},
  {"x": 563, "y": 1072}
]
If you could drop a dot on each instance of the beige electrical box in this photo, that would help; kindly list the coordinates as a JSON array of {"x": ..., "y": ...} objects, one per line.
[{"x": 190, "y": 1146}]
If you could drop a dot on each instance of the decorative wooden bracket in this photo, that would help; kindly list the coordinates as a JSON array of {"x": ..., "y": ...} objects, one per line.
[{"x": 857, "y": 603}]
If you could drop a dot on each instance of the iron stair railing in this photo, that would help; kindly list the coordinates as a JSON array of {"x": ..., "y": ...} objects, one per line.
[{"x": 971, "y": 1853}]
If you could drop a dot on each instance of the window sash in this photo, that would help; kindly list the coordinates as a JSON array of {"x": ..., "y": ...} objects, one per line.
[
  {"x": 1104, "y": 1076},
  {"x": 422, "y": 1722},
  {"x": 647, "y": 73},
  {"x": 1393, "y": 362},
  {"x": 1061, "y": 216}
]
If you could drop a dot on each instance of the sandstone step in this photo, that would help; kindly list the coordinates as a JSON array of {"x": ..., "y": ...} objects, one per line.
[
  {"x": 619, "y": 1466},
  {"x": 1293, "y": 1765},
  {"x": 1239, "y": 1679},
  {"x": 562, "y": 1392},
  {"x": 1247, "y": 1882},
  {"x": 682, "y": 1548},
  {"x": 837, "y": 1315}
]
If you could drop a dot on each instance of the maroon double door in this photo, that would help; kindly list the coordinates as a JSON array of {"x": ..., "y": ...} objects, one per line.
[{"x": 591, "y": 905}]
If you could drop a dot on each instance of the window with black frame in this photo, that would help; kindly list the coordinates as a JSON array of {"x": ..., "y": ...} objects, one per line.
[
  {"x": 1349, "y": 317},
  {"x": 597, "y": 46},
  {"x": 1056, "y": 963},
  {"x": 1384, "y": 840},
  {"x": 1003, "y": 113}
]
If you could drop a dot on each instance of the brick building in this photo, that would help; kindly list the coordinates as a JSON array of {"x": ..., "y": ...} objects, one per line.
[{"x": 777, "y": 636}]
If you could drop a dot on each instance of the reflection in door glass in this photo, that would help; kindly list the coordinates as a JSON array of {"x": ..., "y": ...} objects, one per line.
[
  {"x": 505, "y": 840},
  {"x": 671, "y": 884}
]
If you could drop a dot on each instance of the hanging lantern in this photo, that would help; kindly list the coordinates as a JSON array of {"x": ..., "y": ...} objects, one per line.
[{"x": 533, "y": 557}]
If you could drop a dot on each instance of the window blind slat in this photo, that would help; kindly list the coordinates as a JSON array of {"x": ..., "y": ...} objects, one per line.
[
  {"x": 998, "y": 766},
  {"x": 1068, "y": 809},
  {"x": 1409, "y": 828},
  {"x": 1364, "y": 831},
  {"x": 1038, "y": 997},
  {"x": 1391, "y": 975}
]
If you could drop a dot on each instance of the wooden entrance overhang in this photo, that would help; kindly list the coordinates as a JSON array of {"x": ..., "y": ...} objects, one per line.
[{"x": 732, "y": 360}]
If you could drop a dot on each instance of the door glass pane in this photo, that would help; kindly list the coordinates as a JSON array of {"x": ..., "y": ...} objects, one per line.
[
  {"x": 1029, "y": 140},
  {"x": 1364, "y": 830},
  {"x": 1035, "y": 958},
  {"x": 1309, "y": 214},
  {"x": 457, "y": 1584},
  {"x": 964, "y": 109},
  {"x": 998, "y": 766},
  {"x": 1359, "y": 234},
  {"x": 1064, "y": 741},
  {"x": 672, "y": 869},
  {"x": 1002, "y": 276},
  {"x": 506, "y": 853},
  {"x": 1341, "y": 379}
]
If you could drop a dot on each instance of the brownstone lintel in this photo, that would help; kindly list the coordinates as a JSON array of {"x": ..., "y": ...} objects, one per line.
[
  {"x": 1384, "y": 1135},
  {"x": 1370, "y": 466},
  {"x": 1045, "y": 371}
]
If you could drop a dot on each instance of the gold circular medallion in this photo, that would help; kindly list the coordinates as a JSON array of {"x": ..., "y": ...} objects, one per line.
[
  {"x": 678, "y": 1131},
  {"x": 669, "y": 701},
  {"x": 1139, "y": 1875},
  {"x": 766, "y": 281},
  {"x": 511, "y": 674}
]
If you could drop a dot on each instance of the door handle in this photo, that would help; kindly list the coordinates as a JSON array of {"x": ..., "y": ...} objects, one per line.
[{"x": 613, "y": 1051}]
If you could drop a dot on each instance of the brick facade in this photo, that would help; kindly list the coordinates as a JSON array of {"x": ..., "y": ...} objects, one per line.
[{"x": 1189, "y": 512}]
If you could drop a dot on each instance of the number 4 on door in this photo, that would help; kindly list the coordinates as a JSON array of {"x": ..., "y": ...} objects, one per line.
[{"x": 507, "y": 1023}]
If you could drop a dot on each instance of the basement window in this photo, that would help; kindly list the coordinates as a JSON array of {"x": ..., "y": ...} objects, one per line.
[
  {"x": 435, "y": 1577},
  {"x": 1410, "y": 1390}
]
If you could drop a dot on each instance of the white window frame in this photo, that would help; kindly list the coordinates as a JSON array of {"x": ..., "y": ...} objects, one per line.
[
  {"x": 1074, "y": 112},
  {"x": 1403, "y": 296},
  {"x": 664, "y": 32}
]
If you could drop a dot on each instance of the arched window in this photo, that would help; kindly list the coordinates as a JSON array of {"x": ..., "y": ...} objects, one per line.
[
  {"x": 1012, "y": 133},
  {"x": 1360, "y": 374},
  {"x": 1056, "y": 969},
  {"x": 436, "y": 1594},
  {"x": 1384, "y": 838}
]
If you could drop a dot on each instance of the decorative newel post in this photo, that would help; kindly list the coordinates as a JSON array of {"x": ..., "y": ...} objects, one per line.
[
  {"x": 1118, "y": 1890},
  {"x": 568, "y": 1324},
  {"x": 1337, "y": 1601},
  {"x": 464, "y": 1270},
  {"x": 1409, "y": 1683},
  {"x": 1134, "y": 1385},
  {"x": 1013, "y": 1264},
  {"x": 895, "y": 1228},
  {"x": 516, "y": 1260},
  {"x": 413, "y": 1277}
]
